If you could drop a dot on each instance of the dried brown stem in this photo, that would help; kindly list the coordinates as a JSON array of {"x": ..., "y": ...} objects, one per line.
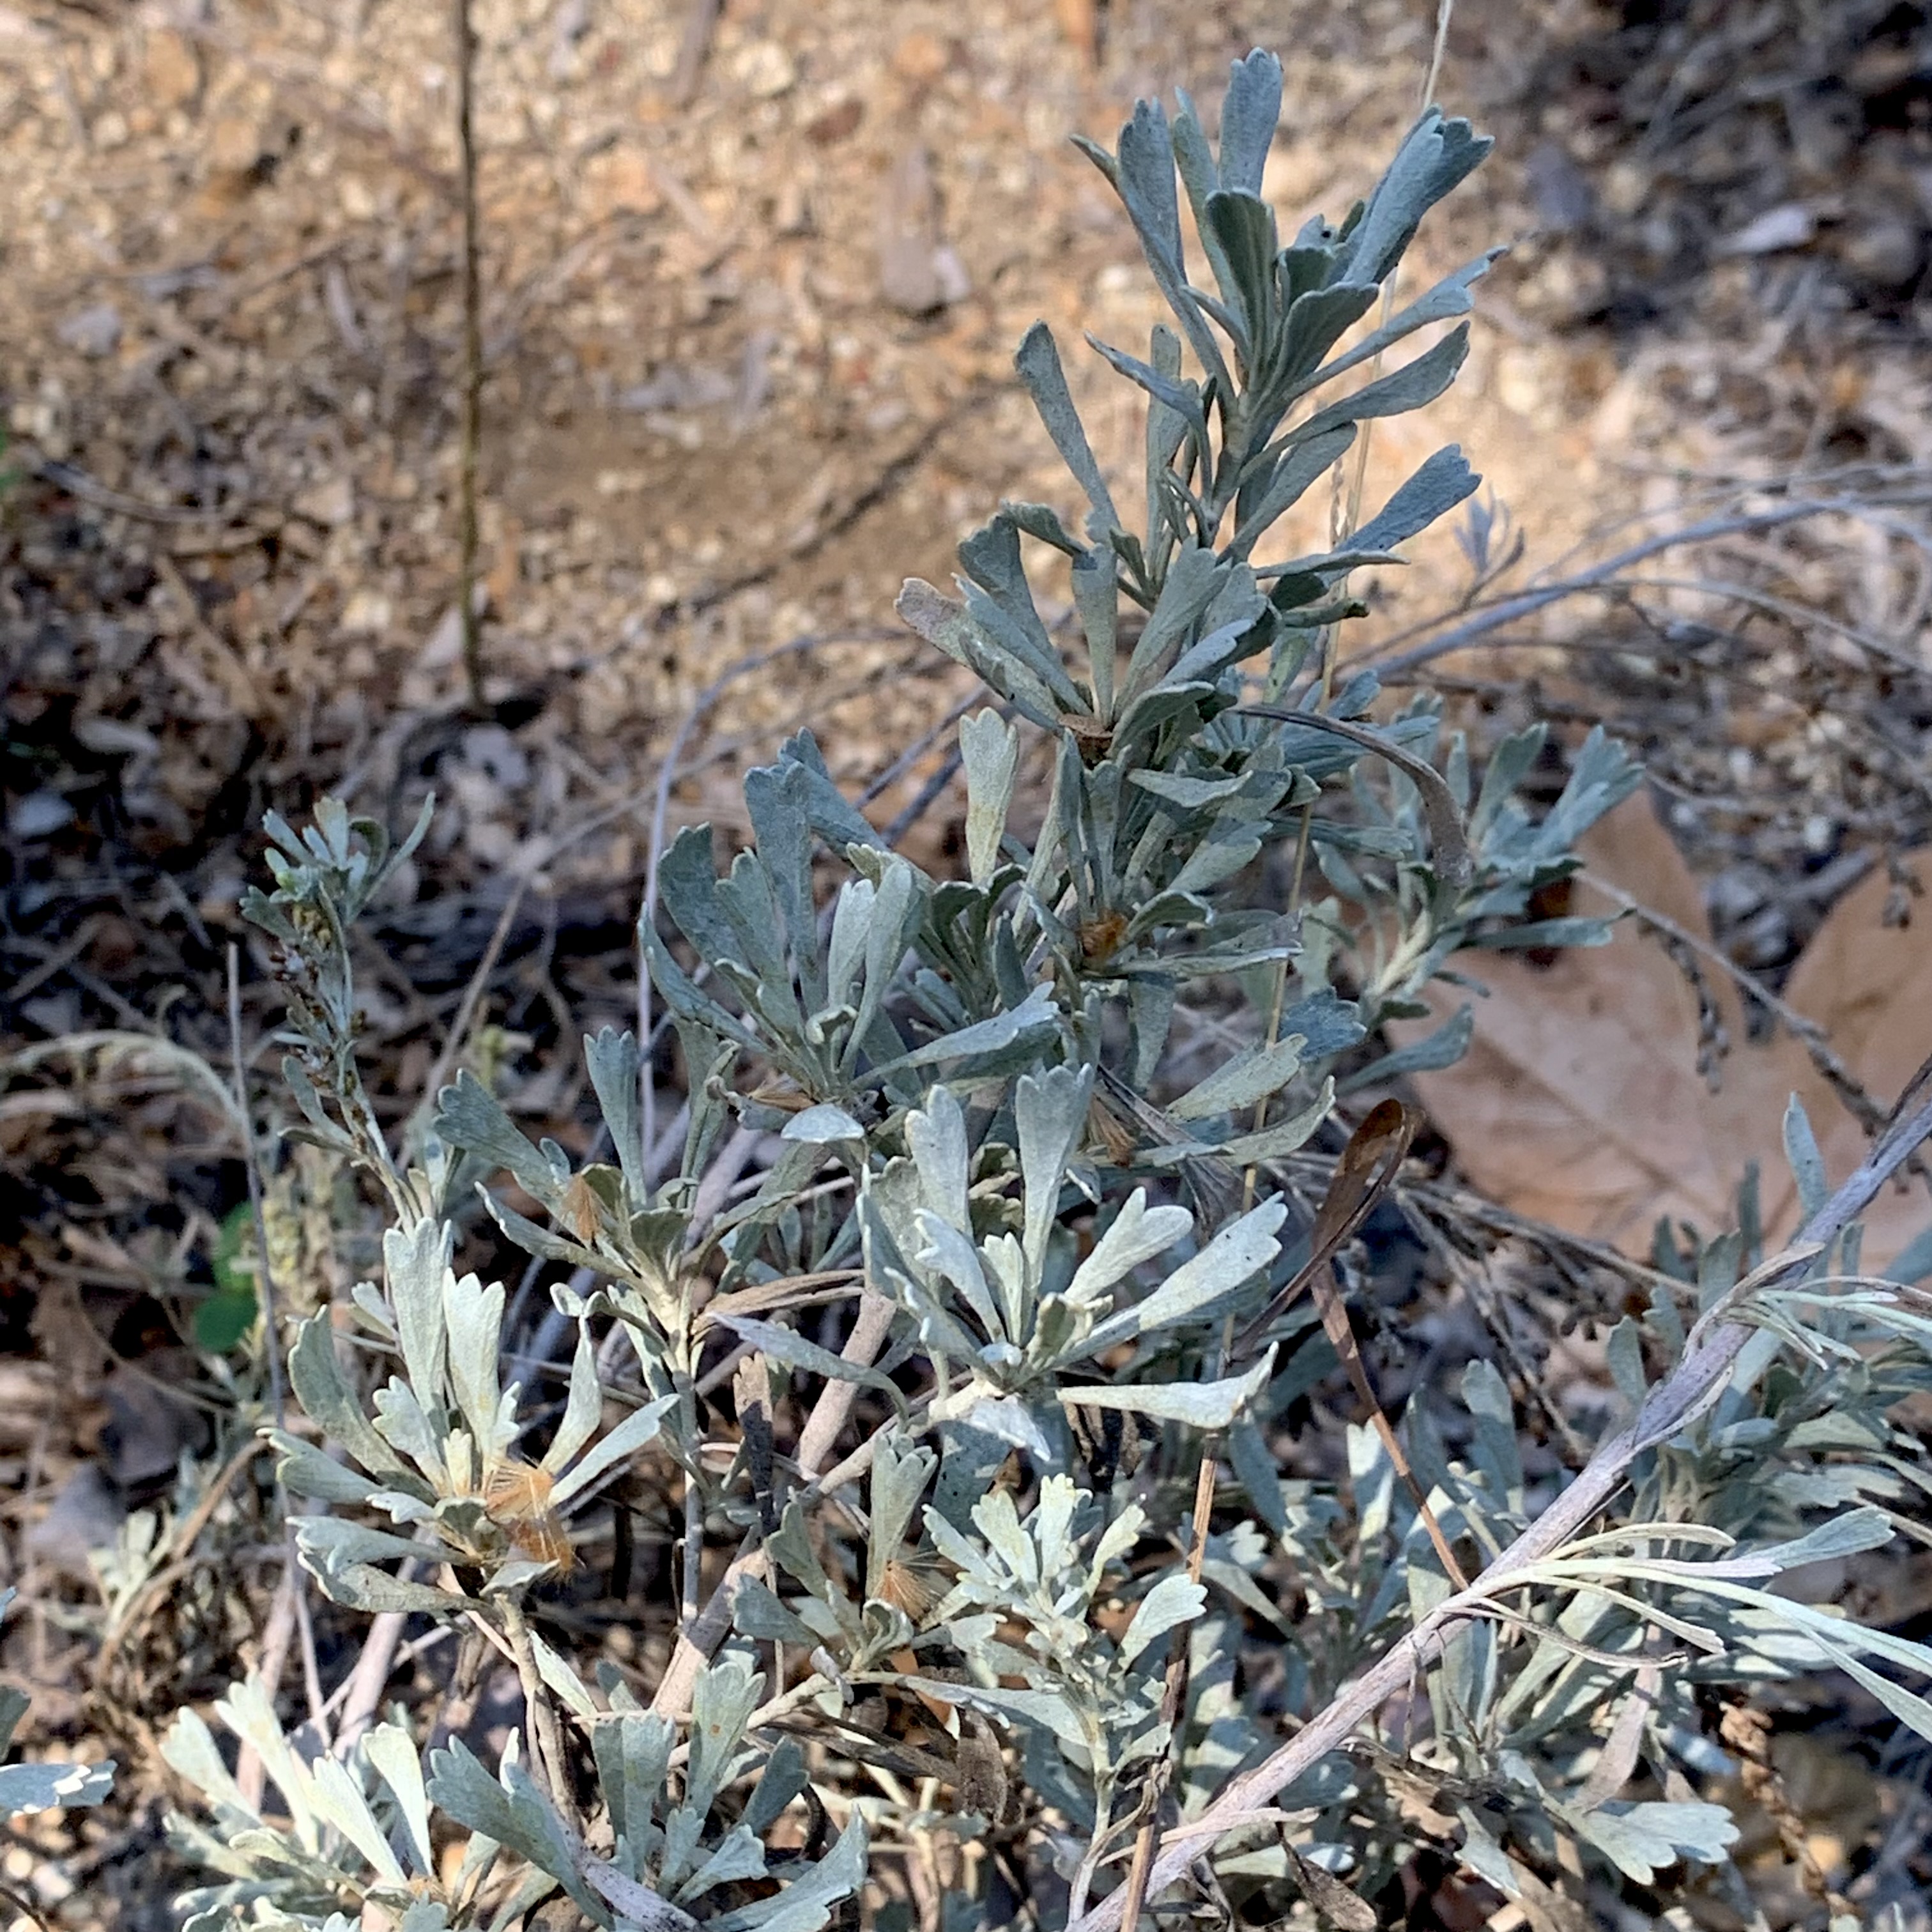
[{"x": 473, "y": 357}]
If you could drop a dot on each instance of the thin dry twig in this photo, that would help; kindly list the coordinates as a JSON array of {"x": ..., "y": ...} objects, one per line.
[
  {"x": 1389, "y": 657},
  {"x": 472, "y": 356}
]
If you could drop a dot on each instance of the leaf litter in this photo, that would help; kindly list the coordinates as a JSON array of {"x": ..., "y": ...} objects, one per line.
[{"x": 1581, "y": 1101}]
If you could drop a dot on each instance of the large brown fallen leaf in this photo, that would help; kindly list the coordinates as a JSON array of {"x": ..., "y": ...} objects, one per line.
[{"x": 1580, "y": 1101}]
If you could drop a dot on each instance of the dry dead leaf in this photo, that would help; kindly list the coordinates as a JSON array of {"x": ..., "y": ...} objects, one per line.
[{"x": 1580, "y": 1101}]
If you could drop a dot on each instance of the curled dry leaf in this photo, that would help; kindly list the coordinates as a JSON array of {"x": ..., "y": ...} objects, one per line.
[{"x": 1580, "y": 1103}]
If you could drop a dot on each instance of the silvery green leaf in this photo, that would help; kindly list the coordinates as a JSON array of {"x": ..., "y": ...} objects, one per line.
[
  {"x": 1443, "y": 1047},
  {"x": 582, "y": 1409},
  {"x": 1214, "y": 861},
  {"x": 516, "y": 1813},
  {"x": 895, "y": 909},
  {"x": 1097, "y": 597},
  {"x": 1487, "y": 1397},
  {"x": 570, "y": 1688},
  {"x": 1228, "y": 1262},
  {"x": 535, "y": 1240},
  {"x": 1037, "y": 362},
  {"x": 823, "y": 1126},
  {"x": 189, "y": 1749},
  {"x": 1434, "y": 157},
  {"x": 1143, "y": 176},
  {"x": 1036, "y": 1016},
  {"x": 1202, "y": 1405},
  {"x": 756, "y": 1612},
  {"x": 1008, "y": 1418},
  {"x": 1449, "y": 299},
  {"x": 360, "y": 1587},
  {"x": 805, "y": 1904},
  {"x": 1329, "y": 1025},
  {"x": 636, "y": 1428},
  {"x": 1000, "y": 600},
  {"x": 325, "y": 1397},
  {"x": 1136, "y": 1235},
  {"x": 746, "y": 896},
  {"x": 773, "y": 801},
  {"x": 416, "y": 1259},
  {"x": 1255, "y": 1465},
  {"x": 688, "y": 885},
  {"x": 688, "y": 1004},
  {"x": 249, "y": 1712},
  {"x": 845, "y": 952},
  {"x": 473, "y": 1322},
  {"x": 1047, "y": 1709},
  {"x": 306, "y": 1471},
  {"x": 338, "y": 1800},
  {"x": 393, "y": 1752},
  {"x": 1602, "y": 776},
  {"x": 1051, "y": 1522},
  {"x": 1254, "y": 943},
  {"x": 740, "y": 1856},
  {"x": 997, "y": 1520},
  {"x": 1484, "y": 1856},
  {"x": 1050, "y": 1110},
  {"x": 1850, "y": 1534},
  {"x": 469, "y": 1116},
  {"x": 937, "y": 1139},
  {"x": 1192, "y": 793},
  {"x": 830, "y": 812},
  {"x": 1638, "y": 1838},
  {"x": 1042, "y": 520},
  {"x": 1150, "y": 1003},
  {"x": 1251, "y": 1074},
  {"x": 901, "y": 1470},
  {"x": 989, "y": 747},
  {"x": 1442, "y": 482},
  {"x": 726, "y": 1693},
  {"x": 1172, "y": 1601},
  {"x": 784, "y": 1776},
  {"x": 945, "y": 625},
  {"x": 612, "y": 1060},
  {"x": 1249, "y": 112},
  {"x": 1624, "y": 1353},
  {"x": 784, "y": 1345},
  {"x": 1808, "y": 1164},
  {"x": 1547, "y": 932},
  {"x": 791, "y": 1550},
  {"x": 1300, "y": 466},
  {"x": 326, "y": 1540},
  {"x": 42, "y": 1787},
  {"x": 1181, "y": 394},
  {"x": 13, "y": 1704},
  {"x": 1417, "y": 383},
  {"x": 951, "y": 1257},
  {"x": 404, "y": 1425},
  {"x": 633, "y": 1752},
  {"x": 1194, "y": 579},
  {"x": 1510, "y": 763}
]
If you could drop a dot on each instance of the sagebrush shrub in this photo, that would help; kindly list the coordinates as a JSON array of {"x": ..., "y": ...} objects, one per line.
[{"x": 1014, "y": 1571}]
